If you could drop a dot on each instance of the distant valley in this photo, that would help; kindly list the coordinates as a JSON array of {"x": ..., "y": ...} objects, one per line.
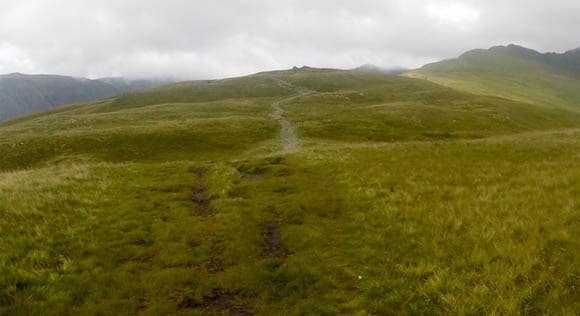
[{"x": 23, "y": 94}]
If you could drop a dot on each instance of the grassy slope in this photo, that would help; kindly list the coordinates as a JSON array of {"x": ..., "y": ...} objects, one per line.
[
  {"x": 100, "y": 205},
  {"x": 505, "y": 75}
]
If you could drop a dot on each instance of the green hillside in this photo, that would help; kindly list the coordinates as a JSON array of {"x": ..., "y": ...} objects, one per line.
[
  {"x": 551, "y": 80},
  {"x": 22, "y": 94},
  {"x": 299, "y": 192}
]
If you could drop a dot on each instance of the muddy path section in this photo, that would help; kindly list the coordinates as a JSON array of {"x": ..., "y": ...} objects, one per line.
[
  {"x": 218, "y": 302},
  {"x": 199, "y": 194},
  {"x": 273, "y": 246}
]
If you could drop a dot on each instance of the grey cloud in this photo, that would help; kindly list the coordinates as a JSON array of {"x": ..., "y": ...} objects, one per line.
[{"x": 218, "y": 38}]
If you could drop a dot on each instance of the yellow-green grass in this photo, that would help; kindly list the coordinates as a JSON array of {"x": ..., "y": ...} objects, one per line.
[
  {"x": 506, "y": 76},
  {"x": 476, "y": 216},
  {"x": 454, "y": 227},
  {"x": 164, "y": 132},
  {"x": 411, "y": 111}
]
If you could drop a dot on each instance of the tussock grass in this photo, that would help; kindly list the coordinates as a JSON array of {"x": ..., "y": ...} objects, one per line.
[{"x": 405, "y": 198}]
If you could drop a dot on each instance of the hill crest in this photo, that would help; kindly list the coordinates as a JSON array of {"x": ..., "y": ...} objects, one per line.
[{"x": 513, "y": 71}]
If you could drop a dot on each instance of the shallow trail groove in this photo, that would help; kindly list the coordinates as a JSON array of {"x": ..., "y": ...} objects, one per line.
[
  {"x": 219, "y": 301},
  {"x": 199, "y": 195},
  {"x": 273, "y": 246},
  {"x": 215, "y": 263}
]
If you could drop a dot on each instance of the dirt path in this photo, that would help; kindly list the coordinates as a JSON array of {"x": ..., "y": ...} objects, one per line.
[
  {"x": 287, "y": 132},
  {"x": 288, "y": 136}
]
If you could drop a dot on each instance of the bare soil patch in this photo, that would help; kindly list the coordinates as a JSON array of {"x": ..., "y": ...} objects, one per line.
[
  {"x": 215, "y": 302},
  {"x": 273, "y": 246}
]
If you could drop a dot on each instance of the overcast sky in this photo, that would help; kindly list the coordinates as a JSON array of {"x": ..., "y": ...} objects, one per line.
[{"x": 195, "y": 39}]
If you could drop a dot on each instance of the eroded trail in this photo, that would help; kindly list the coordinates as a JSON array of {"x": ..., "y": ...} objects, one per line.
[
  {"x": 199, "y": 195},
  {"x": 273, "y": 246},
  {"x": 287, "y": 133},
  {"x": 288, "y": 137}
]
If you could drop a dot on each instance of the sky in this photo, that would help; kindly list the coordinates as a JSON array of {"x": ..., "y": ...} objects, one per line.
[{"x": 202, "y": 39}]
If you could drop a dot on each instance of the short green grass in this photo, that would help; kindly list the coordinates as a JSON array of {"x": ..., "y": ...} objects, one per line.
[{"x": 405, "y": 198}]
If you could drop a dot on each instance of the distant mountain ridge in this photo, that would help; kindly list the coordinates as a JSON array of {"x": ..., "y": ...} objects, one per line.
[
  {"x": 23, "y": 94},
  {"x": 567, "y": 62},
  {"x": 374, "y": 69},
  {"x": 513, "y": 72}
]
